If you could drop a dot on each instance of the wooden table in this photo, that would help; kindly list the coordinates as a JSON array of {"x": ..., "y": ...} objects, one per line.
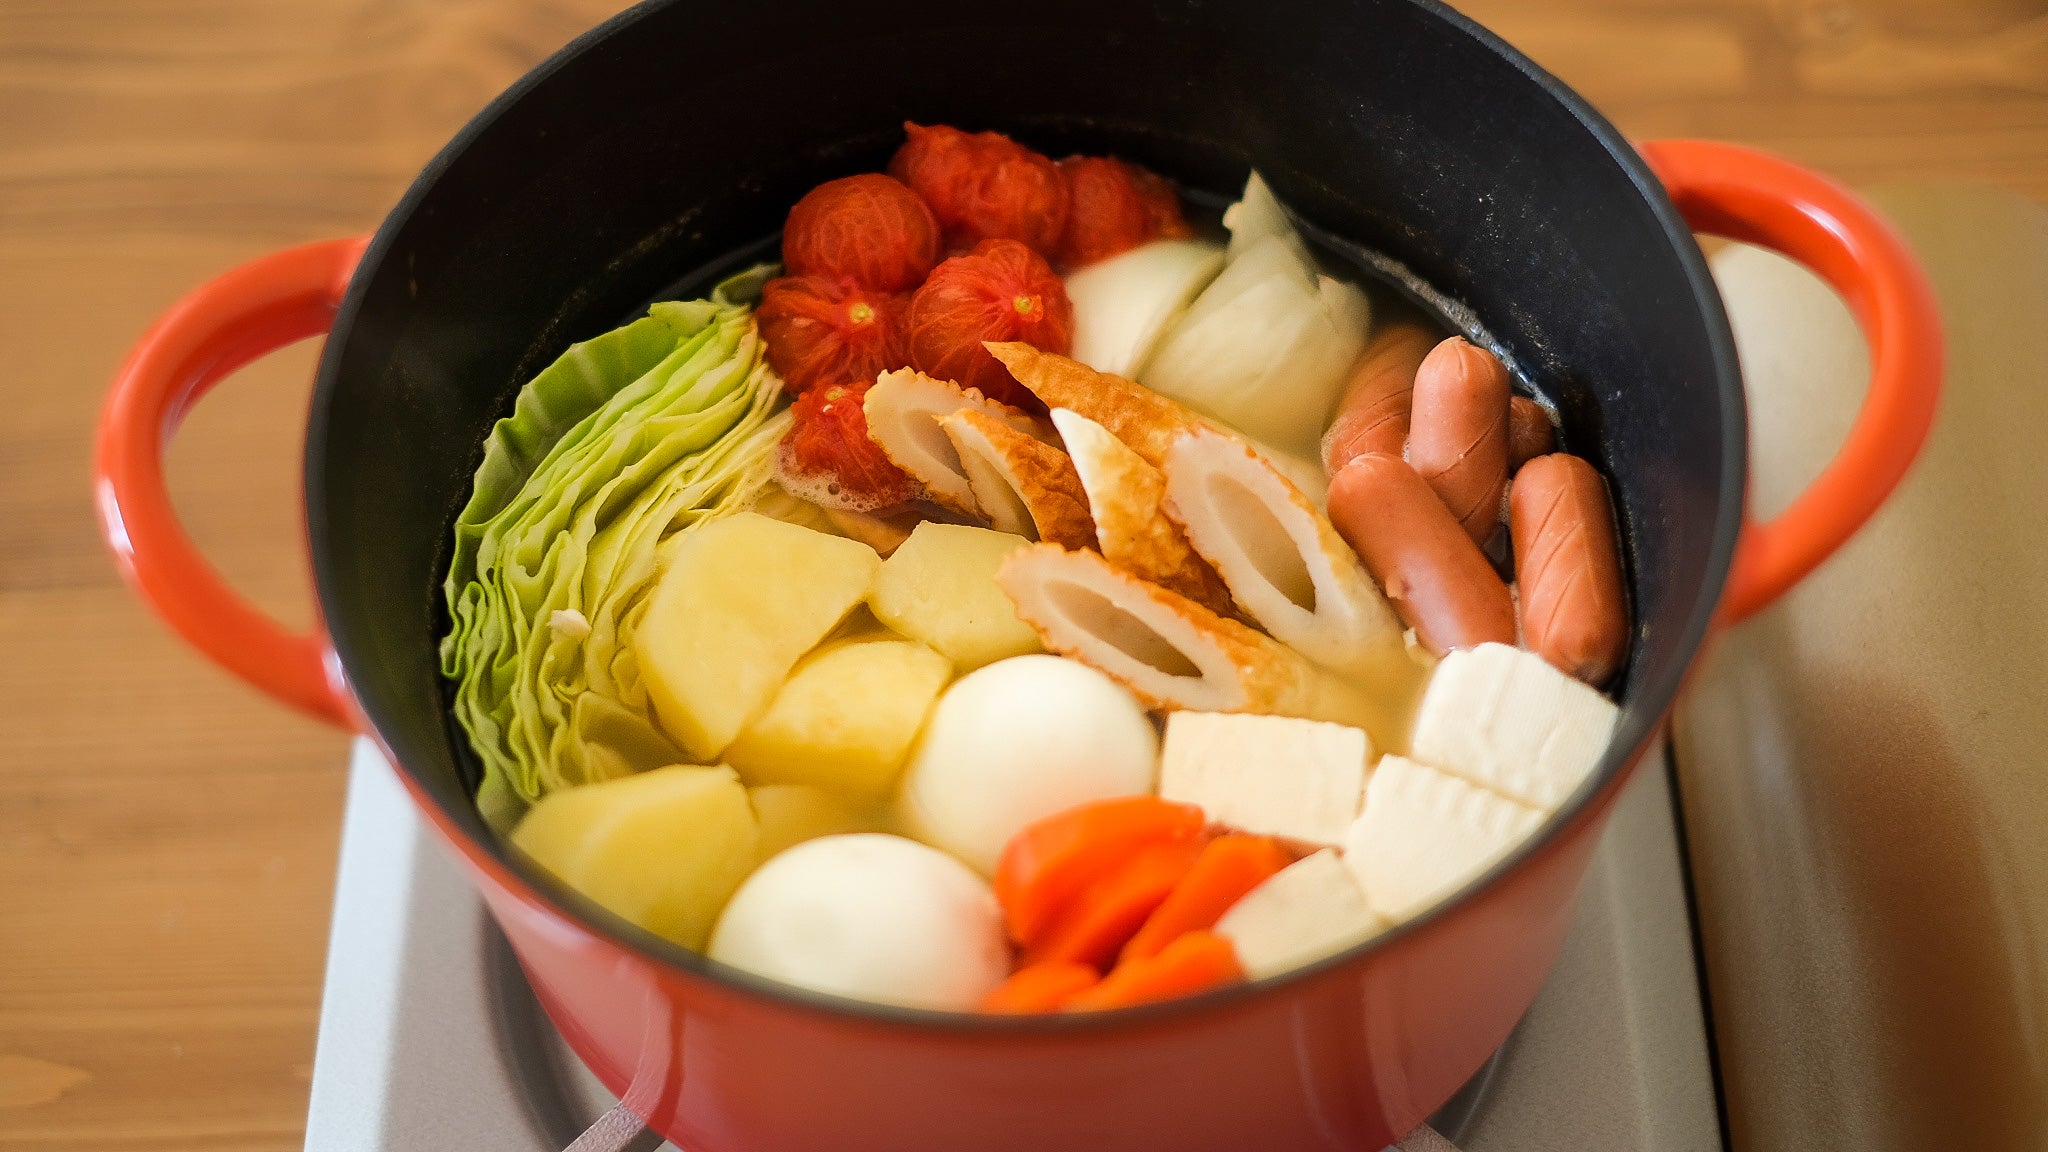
[{"x": 167, "y": 837}]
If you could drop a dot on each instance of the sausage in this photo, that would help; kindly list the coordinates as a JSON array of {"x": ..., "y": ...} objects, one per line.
[
  {"x": 1436, "y": 576},
  {"x": 1569, "y": 567},
  {"x": 1530, "y": 433},
  {"x": 1458, "y": 432},
  {"x": 1372, "y": 416}
]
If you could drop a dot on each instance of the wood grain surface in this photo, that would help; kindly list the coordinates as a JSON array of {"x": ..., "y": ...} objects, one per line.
[{"x": 167, "y": 836}]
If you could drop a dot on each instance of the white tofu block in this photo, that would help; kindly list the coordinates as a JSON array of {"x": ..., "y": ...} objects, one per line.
[
  {"x": 1268, "y": 775},
  {"x": 1424, "y": 833},
  {"x": 1311, "y": 909},
  {"x": 1503, "y": 718}
]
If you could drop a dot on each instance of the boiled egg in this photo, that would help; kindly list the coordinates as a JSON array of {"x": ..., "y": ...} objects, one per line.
[
  {"x": 870, "y": 917},
  {"x": 1017, "y": 741}
]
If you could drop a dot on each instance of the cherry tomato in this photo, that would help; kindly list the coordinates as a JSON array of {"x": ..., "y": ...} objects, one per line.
[
  {"x": 1162, "y": 203},
  {"x": 829, "y": 457},
  {"x": 983, "y": 186},
  {"x": 822, "y": 330},
  {"x": 1000, "y": 291},
  {"x": 1114, "y": 207},
  {"x": 867, "y": 228}
]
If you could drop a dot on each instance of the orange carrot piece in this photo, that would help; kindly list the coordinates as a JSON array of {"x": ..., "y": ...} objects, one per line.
[
  {"x": 1196, "y": 962},
  {"x": 1227, "y": 869},
  {"x": 1098, "y": 921},
  {"x": 1047, "y": 864},
  {"x": 1040, "y": 988}
]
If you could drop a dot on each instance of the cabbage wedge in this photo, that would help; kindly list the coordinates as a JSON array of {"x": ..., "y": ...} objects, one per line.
[{"x": 624, "y": 442}]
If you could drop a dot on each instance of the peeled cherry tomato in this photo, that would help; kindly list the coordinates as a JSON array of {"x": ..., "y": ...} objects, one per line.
[
  {"x": 1049, "y": 863},
  {"x": 1000, "y": 291},
  {"x": 983, "y": 186},
  {"x": 870, "y": 229},
  {"x": 1162, "y": 204},
  {"x": 829, "y": 453},
  {"x": 1113, "y": 207},
  {"x": 824, "y": 330}
]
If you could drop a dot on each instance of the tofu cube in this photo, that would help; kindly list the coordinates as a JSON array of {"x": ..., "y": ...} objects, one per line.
[
  {"x": 1505, "y": 719},
  {"x": 1269, "y": 775},
  {"x": 1311, "y": 909},
  {"x": 1425, "y": 833}
]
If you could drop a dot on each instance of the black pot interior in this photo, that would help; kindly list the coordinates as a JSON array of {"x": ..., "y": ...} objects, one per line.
[{"x": 681, "y": 131}]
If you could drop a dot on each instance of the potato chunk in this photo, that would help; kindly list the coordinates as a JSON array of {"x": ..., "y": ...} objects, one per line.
[
  {"x": 940, "y": 588},
  {"x": 664, "y": 849},
  {"x": 845, "y": 718},
  {"x": 741, "y": 600},
  {"x": 793, "y": 813}
]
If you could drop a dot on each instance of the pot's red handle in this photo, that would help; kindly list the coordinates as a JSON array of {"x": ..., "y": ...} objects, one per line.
[
  {"x": 264, "y": 305},
  {"x": 1746, "y": 195}
]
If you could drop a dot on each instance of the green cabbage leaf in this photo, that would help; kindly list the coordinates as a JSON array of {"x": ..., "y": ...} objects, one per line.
[{"x": 627, "y": 441}]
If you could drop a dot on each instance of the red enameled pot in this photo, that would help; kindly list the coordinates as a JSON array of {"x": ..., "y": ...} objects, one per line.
[{"x": 678, "y": 133}]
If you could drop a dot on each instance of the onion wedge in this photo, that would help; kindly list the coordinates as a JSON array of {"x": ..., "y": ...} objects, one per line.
[
  {"x": 1266, "y": 345},
  {"x": 1123, "y": 304},
  {"x": 1256, "y": 215}
]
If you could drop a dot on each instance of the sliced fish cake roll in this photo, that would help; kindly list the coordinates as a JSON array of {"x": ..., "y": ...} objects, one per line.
[
  {"x": 903, "y": 411},
  {"x": 1145, "y": 421},
  {"x": 1142, "y": 419},
  {"x": 1024, "y": 485},
  {"x": 1171, "y": 651},
  {"x": 1285, "y": 565},
  {"x": 1125, "y": 498}
]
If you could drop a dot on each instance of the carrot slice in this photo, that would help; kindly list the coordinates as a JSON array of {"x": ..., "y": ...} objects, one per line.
[
  {"x": 1227, "y": 869},
  {"x": 1047, "y": 864},
  {"x": 1040, "y": 988},
  {"x": 1196, "y": 962},
  {"x": 1097, "y": 922}
]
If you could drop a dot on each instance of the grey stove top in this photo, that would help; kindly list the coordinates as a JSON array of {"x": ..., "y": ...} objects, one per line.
[{"x": 430, "y": 1039}]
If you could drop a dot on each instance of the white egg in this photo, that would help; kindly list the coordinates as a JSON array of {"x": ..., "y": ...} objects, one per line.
[
  {"x": 870, "y": 917},
  {"x": 1017, "y": 741}
]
